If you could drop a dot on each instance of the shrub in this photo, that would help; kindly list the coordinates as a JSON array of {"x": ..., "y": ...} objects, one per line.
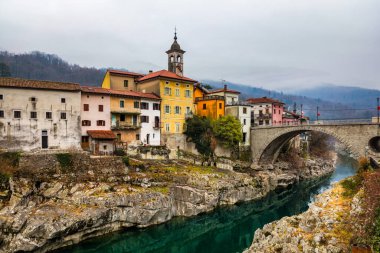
[
  {"x": 199, "y": 131},
  {"x": 228, "y": 130},
  {"x": 364, "y": 164},
  {"x": 65, "y": 160},
  {"x": 119, "y": 152},
  {"x": 126, "y": 160},
  {"x": 351, "y": 186}
]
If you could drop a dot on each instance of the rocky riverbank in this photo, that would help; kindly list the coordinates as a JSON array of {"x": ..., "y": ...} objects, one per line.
[
  {"x": 327, "y": 226},
  {"x": 49, "y": 207}
]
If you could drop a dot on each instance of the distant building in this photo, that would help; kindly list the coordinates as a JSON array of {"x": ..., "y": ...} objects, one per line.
[
  {"x": 120, "y": 80},
  {"x": 97, "y": 136},
  {"x": 39, "y": 114},
  {"x": 266, "y": 111},
  {"x": 230, "y": 96},
  {"x": 242, "y": 111}
]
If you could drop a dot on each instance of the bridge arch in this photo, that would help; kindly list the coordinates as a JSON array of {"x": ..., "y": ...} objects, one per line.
[{"x": 266, "y": 142}]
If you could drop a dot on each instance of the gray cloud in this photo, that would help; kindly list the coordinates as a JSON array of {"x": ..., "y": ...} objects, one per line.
[{"x": 275, "y": 44}]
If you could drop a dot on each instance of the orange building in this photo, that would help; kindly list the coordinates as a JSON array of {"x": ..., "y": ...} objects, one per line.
[{"x": 206, "y": 105}]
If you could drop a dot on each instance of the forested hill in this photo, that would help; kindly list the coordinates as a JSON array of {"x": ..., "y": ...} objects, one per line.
[
  {"x": 41, "y": 66},
  {"x": 335, "y": 103}
]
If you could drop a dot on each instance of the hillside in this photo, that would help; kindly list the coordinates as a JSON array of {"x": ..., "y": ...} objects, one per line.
[{"x": 334, "y": 102}]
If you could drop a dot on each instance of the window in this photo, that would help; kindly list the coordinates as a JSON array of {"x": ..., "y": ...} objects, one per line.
[
  {"x": 244, "y": 122},
  {"x": 17, "y": 114},
  {"x": 122, "y": 117},
  {"x": 188, "y": 110},
  {"x": 166, "y": 82},
  {"x": 100, "y": 122},
  {"x": 204, "y": 107},
  {"x": 244, "y": 137},
  {"x": 63, "y": 100},
  {"x": 100, "y": 108},
  {"x": 220, "y": 105},
  {"x": 156, "y": 122},
  {"x": 1, "y": 114},
  {"x": 168, "y": 91},
  {"x": 85, "y": 139},
  {"x": 86, "y": 122},
  {"x": 104, "y": 147},
  {"x": 121, "y": 103},
  {"x": 167, "y": 127},
  {"x": 48, "y": 115},
  {"x": 167, "y": 108},
  {"x": 1, "y": 96},
  {"x": 267, "y": 122},
  {"x": 63, "y": 115},
  {"x": 177, "y": 84},
  {"x": 33, "y": 115},
  {"x": 144, "y": 106},
  {"x": 125, "y": 83},
  {"x": 244, "y": 110},
  {"x": 260, "y": 112},
  {"x": 118, "y": 136},
  {"x": 137, "y": 137},
  {"x": 177, "y": 110},
  {"x": 177, "y": 92},
  {"x": 33, "y": 99},
  {"x": 136, "y": 104},
  {"x": 187, "y": 93},
  {"x": 86, "y": 107},
  {"x": 177, "y": 127},
  {"x": 144, "y": 119},
  {"x": 274, "y": 111},
  {"x": 156, "y": 106}
]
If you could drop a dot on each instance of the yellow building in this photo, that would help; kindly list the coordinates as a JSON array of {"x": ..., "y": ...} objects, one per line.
[
  {"x": 120, "y": 80},
  {"x": 176, "y": 94},
  {"x": 211, "y": 106}
]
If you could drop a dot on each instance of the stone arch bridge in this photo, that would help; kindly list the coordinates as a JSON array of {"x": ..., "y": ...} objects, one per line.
[{"x": 359, "y": 138}]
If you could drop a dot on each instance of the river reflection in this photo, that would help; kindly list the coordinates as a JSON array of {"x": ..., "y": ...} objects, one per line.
[{"x": 227, "y": 229}]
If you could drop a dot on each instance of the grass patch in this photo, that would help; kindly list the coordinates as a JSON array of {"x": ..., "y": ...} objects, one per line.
[
  {"x": 163, "y": 189},
  {"x": 126, "y": 160},
  {"x": 351, "y": 186},
  {"x": 65, "y": 160}
]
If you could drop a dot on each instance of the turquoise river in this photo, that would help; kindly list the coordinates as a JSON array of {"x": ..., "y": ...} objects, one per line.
[{"x": 227, "y": 229}]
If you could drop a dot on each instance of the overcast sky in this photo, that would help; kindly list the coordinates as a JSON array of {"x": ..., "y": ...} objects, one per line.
[{"x": 276, "y": 44}]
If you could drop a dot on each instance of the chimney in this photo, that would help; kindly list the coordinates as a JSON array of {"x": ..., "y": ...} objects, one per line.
[
  {"x": 150, "y": 71},
  {"x": 225, "y": 87}
]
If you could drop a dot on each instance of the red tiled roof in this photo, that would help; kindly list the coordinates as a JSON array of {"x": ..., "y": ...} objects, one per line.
[
  {"x": 129, "y": 93},
  {"x": 126, "y": 73},
  {"x": 101, "y": 134},
  {"x": 91, "y": 89},
  {"x": 263, "y": 100},
  {"x": 165, "y": 74},
  {"x": 37, "y": 84}
]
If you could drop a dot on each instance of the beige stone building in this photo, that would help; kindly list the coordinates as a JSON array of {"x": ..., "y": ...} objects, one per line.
[{"x": 39, "y": 115}]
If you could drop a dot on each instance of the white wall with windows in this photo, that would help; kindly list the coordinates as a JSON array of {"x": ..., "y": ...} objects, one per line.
[
  {"x": 150, "y": 122},
  {"x": 39, "y": 118}
]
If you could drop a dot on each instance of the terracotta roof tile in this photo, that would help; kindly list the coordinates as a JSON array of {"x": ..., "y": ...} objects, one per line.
[
  {"x": 165, "y": 74},
  {"x": 129, "y": 93},
  {"x": 126, "y": 73},
  {"x": 263, "y": 100},
  {"x": 91, "y": 89},
  {"x": 101, "y": 134},
  {"x": 37, "y": 84}
]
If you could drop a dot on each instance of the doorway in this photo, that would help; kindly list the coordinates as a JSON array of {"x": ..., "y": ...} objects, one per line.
[
  {"x": 147, "y": 139},
  {"x": 45, "y": 141}
]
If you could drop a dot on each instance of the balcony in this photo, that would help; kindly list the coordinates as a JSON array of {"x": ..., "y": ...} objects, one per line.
[
  {"x": 119, "y": 125},
  {"x": 264, "y": 116},
  {"x": 206, "y": 98}
]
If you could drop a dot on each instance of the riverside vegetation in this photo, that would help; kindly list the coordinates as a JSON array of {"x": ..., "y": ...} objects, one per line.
[{"x": 49, "y": 201}]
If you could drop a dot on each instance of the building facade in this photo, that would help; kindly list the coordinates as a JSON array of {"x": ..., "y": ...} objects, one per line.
[
  {"x": 205, "y": 105},
  {"x": 150, "y": 121},
  {"x": 120, "y": 80},
  {"x": 230, "y": 96},
  {"x": 242, "y": 112},
  {"x": 39, "y": 114},
  {"x": 266, "y": 111},
  {"x": 97, "y": 136}
]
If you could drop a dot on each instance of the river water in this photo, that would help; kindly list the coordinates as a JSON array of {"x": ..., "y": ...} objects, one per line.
[{"x": 226, "y": 230}]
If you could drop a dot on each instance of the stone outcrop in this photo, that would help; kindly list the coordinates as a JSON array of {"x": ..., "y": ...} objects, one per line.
[
  {"x": 45, "y": 213},
  {"x": 324, "y": 227}
]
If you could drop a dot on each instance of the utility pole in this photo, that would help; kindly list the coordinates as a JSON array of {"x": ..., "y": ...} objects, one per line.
[
  {"x": 317, "y": 114},
  {"x": 301, "y": 114},
  {"x": 378, "y": 111}
]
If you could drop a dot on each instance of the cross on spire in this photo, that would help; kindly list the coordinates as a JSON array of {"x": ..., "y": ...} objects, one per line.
[{"x": 175, "y": 33}]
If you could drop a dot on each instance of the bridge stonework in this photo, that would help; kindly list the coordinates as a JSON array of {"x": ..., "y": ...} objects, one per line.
[{"x": 266, "y": 142}]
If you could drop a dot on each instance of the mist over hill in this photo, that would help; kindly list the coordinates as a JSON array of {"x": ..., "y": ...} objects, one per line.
[{"x": 334, "y": 102}]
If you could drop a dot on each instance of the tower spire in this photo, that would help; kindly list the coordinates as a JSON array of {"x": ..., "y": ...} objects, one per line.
[{"x": 175, "y": 33}]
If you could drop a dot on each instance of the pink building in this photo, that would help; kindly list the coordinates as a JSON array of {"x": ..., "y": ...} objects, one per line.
[
  {"x": 266, "y": 111},
  {"x": 97, "y": 136}
]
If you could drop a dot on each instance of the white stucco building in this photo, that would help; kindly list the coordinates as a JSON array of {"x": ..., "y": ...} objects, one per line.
[
  {"x": 150, "y": 121},
  {"x": 39, "y": 115},
  {"x": 230, "y": 96},
  {"x": 242, "y": 112}
]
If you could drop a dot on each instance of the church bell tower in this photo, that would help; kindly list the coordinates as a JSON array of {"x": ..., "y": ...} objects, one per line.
[{"x": 175, "y": 57}]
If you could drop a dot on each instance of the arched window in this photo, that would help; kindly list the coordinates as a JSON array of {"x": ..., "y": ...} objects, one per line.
[
  {"x": 178, "y": 58},
  {"x": 171, "y": 58}
]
